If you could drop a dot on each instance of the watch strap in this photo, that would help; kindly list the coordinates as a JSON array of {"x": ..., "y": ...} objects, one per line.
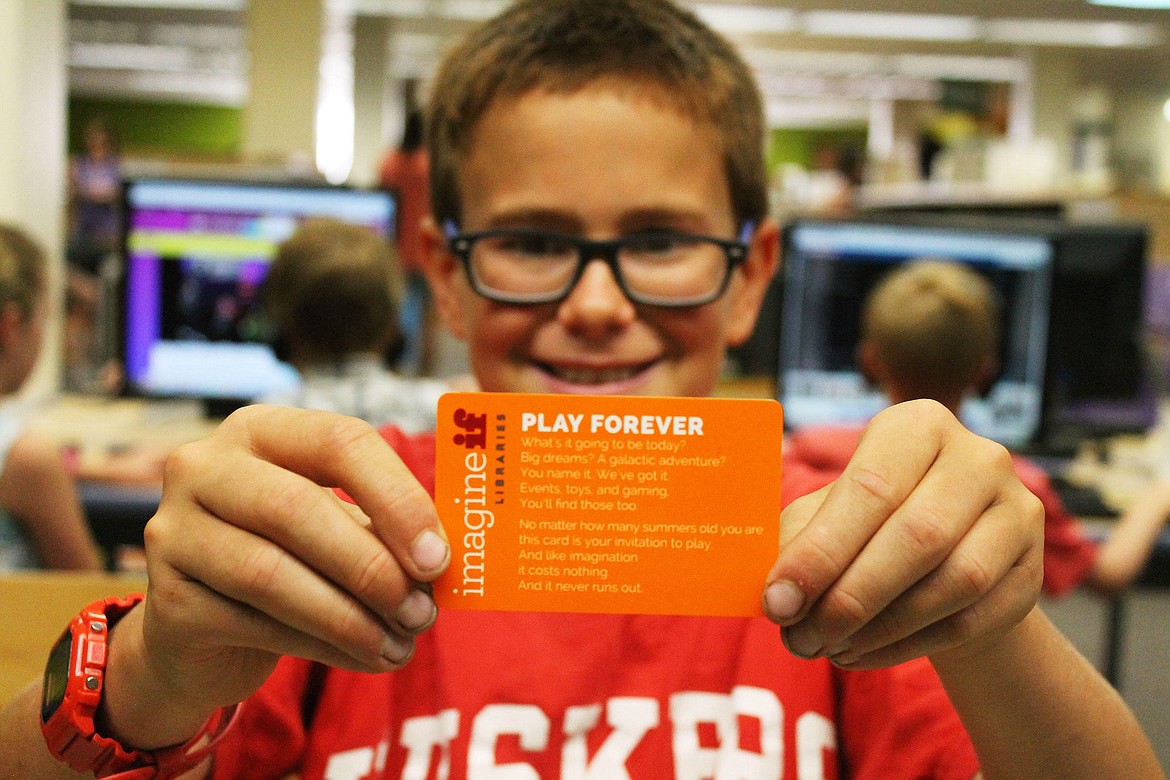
[
  {"x": 71, "y": 734},
  {"x": 172, "y": 762}
]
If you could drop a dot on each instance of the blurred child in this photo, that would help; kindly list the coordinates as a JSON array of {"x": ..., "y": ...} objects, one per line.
[
  {"x": 41, "y": 521},
  {"x": 331, "y": 297},
  {"x": 601, "y": 195},
  {"x": 931, "y": 329}
]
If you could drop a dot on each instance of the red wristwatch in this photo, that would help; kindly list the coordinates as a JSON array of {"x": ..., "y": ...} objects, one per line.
[{"x": 74, "y": 676}]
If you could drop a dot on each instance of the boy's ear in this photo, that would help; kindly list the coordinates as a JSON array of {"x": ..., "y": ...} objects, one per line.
[
  {"x": 755, "y": 275},
  {"x": 988, "y": 373},
  {"x": 443, "y": 274},
  {"x": 869, "y": 363},
  {"x": 11, "y": 320}
]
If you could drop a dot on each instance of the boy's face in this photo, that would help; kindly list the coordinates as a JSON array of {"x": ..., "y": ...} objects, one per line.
[{"x": 601, "y": 165}]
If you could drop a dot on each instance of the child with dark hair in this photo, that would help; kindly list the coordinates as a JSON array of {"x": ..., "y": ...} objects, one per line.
[{"x": 331, "y": 296}]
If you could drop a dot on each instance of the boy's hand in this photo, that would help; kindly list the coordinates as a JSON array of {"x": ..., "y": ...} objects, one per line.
[
  {"x": 927, "y": 542},
  {"x": 251, "y": 556}
]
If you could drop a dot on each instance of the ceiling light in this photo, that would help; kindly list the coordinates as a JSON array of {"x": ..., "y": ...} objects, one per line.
[
  {"x": 747, "y": 19},
  {"x": 472, "y": 10},
  {"x": 1052, "y": 32},
  {"x": 1133, "y": 3},
  {"x": 915, "y": 27},
  {"x": 176, "y": 5},
  {"x": 962, "y": 68}
]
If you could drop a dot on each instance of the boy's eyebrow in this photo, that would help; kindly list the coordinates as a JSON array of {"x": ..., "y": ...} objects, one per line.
[
  {"x": 548, "y": 219},
  {"x": 637, "y": 219}
]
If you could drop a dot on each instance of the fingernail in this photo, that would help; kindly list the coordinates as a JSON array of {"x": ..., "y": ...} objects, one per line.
[
  {"x": 847, "y": 658},
  {"x": 416, "y": 612},
  {"x": 429, "y": 551},
  {"x": 783, "y": 600},
  {"x": 803, "y": 640},
  {"x": 397, "y": 649},
  {"x": 839, "y": 649}
]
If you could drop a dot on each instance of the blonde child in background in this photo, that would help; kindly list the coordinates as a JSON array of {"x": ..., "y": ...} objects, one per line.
[
  {"x": 600, "y": 228},
  {"x": 931, "y": 329},
  {"x": 41, "y": 520},
  {"x": 331, "y": 296}
]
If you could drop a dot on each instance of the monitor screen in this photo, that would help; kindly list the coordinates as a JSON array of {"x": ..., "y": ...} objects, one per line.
[
  {"x": 829, "y": 269},
  {"x": 1099, "y": 384},
  {"x": 196, "y": 252}
]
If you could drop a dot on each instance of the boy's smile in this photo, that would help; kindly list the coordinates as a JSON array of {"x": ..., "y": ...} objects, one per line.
[{"x": 600, "y": 163}]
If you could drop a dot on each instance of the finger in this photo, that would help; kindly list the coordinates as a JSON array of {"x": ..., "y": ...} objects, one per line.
[
  {"x": 239, "y": 625},
  {"x": 887, "y": 466},
  {"x": 919, "y": 536},
  {"x": 782, "y": 599},
  {"x": 348, "y": 453},
  {"x": 989, "y": 617},
  {"x": 311, "y": 524},
  {"x": 256, "y": 573},
  {"x": 999, "y": 547}
]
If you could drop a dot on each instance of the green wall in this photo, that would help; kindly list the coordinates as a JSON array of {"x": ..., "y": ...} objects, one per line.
[
  {"x": 799, "y": 146},
  {"x": 182, "y": 130}
]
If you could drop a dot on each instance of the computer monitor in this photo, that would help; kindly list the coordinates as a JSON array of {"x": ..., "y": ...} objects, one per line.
[
  {"x": 829, "y": 269},
  {"x": 1098, "y": 382},
  {"x": 196, "y": 252}
]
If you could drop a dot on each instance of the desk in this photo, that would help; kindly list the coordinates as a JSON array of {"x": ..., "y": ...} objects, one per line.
[
  {"x": 35, "y": 607},
  {"x": 98, "y": 425},
  {"x": 117, "y": 508}
]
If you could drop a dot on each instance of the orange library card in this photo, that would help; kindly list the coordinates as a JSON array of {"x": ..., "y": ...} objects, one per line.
[{"x": 563, "y": 503}]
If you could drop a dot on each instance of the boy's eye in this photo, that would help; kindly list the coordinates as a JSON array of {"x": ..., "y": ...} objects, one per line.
[
  {"x": 534, "y": 246},
  {"x": 657, "y": 243}
]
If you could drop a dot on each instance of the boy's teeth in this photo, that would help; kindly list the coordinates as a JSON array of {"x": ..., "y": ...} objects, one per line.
[{"x": 586, "y": 376}]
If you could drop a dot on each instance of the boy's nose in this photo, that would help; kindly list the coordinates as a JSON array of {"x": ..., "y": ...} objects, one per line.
[{"x": 597, "y": 302}]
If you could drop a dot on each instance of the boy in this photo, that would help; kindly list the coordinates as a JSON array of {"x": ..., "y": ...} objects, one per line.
[
  {"x": 930, "y": 329},
  {"x": 331, "y": 297},
  {"x": 621, "y": 120},
  {"x": 42, "y": 524}
]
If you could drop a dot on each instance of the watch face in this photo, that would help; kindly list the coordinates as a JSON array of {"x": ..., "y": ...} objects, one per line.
[{"x": 56, "y": 676}]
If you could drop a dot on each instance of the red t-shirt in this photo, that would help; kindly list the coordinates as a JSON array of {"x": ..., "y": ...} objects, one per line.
[
  {"x": 550, "y": 695},
  {"x": 1069, "y": 552}
]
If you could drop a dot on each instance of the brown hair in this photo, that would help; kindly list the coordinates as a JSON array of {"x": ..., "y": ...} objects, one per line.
[
  {"x": 935, "y": 324},
  {"x": 332, "y": 290},
  {"x": 651, "y": 47},
  {"x": 23, "y": 269}
]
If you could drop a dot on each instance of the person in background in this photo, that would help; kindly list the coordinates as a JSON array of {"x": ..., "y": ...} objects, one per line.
[
  {"x": 331, "y": 298},
  {"x": 93, "y": 233},
  {"x": 601, "y": 228},
  {"x": 404, "y": 171},
  {"x": 94, "y": 189},
  {"x": 41, "y": 521},
  {"x": 931, "y": 329}
]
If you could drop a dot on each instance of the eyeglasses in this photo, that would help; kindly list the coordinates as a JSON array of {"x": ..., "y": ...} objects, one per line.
[{"x": 656, "y": 268}]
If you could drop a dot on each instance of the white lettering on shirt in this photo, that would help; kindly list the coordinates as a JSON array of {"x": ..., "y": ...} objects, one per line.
[
  {"x": 727, "y": 761},
  {"x": 526, "y": 721},
  {"x": 420, "y": 736},
  {"x": 628, "y": 721},
  {"x": 814, "y": 735},
  {"x": 350, "y": 764},
  {"x": 629, "y": 717}
]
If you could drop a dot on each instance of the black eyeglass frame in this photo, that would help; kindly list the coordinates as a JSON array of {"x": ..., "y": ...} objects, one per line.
[{"x": 461, "y": 244}]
